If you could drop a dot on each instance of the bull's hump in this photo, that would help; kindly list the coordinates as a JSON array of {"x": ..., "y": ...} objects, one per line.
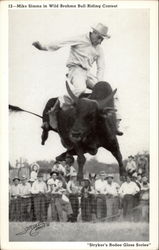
[{"x": 101, "y": 90}]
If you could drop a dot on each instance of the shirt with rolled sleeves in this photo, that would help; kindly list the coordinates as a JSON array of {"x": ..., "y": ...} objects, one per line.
[
  {"x": 101, "y": 186},
  {"x": 38, "y": 187},
  {"x": 82, "y": 53},
  {"x": 25, "y": 190},
  {"x": 130, "y": 188}
]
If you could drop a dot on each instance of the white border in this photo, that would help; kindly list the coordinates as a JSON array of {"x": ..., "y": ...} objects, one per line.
[{"x": 5, "y": 244}]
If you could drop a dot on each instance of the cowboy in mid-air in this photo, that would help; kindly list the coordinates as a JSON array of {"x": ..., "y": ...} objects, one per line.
[{"x": 85, "y": 50}]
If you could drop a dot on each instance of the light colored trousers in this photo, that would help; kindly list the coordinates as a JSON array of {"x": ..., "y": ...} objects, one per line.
[{"x": 80, "y": 79}]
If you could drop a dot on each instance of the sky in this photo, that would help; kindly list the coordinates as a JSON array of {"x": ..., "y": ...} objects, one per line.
[{"x": 35, "y": 76}]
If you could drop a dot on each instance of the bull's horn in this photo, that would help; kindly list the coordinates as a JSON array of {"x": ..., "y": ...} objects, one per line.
[
  {"x": 103, "y": 103},
  {"x": 74, "y": 98}
]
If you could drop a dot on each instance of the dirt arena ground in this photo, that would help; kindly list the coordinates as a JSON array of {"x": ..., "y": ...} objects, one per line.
[{"x": 101, "y": 231}]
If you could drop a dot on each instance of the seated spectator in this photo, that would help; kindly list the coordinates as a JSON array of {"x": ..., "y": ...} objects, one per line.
[
  {"x": 69, "y": 170},
  {"x": 127, "y": 191},
  {"x": 100, "y": 190},
  {"x": 14, "y": 200},
  {"x": 38, "y": 190},
  {"x": 74, "y": 191},
  {"x": 25, "y": 199},
  {"x": 112, "y": 197},
  {"x": 144, "y": 199},
  {"x": 33, "y": 176},
  {"x": 142, "y": 163},
  {"x": 131, "y": 166},
  {"x": 58, "y": 168},
  {"x": 87, "y": 201}
]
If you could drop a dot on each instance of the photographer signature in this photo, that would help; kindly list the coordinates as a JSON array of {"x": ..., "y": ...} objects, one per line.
[{"x": 33, "y": 229}]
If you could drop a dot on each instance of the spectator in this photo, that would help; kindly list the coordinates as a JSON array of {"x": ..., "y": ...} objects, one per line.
[
  {"x": 69, "y": 170},
  {"x": 139, "y": 178},
  {"x": 127, "y": 191},
  {"x": 58, "y": 168},
  {"x": 87, "y": 201},
  {"x": 54, "y": 185},
  {"x": 66, "y": 207},
  {"x": 33, "y": 176},
  {"x": 137, "y": 195},
  {"x": 14, "y": 200},
  {"x": 131, "y": 166},
  {"x": 73, "y": 190},
  {"x": 144, "y": 199},
  {"x": 25, "y": 198},
  {"x": 38, "y": 190},
  {"x": 112, "y": 197},
  {"x": 100, "y": 188},
  {"x": 142, "y": 164}
]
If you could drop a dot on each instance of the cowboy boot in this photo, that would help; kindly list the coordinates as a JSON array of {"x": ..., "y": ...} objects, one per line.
[{"x": 53, "y": 115}]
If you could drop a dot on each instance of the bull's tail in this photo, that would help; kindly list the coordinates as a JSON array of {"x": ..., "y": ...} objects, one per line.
[{"x": 17, "y": 109}]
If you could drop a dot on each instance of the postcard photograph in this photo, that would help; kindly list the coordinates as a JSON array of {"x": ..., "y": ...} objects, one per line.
[{"x": 79, "y": 123}]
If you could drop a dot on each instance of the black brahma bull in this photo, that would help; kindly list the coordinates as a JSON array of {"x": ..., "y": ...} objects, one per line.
[{"x": 88, "y": 124}]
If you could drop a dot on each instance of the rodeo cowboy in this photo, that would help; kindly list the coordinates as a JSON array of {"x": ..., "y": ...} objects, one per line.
[{"x": 85, "y": 50}]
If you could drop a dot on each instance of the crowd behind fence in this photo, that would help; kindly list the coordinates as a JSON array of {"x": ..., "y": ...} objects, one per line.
[{"x": 62, "y": 198}]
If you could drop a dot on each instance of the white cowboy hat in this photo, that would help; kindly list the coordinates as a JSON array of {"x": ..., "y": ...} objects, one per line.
[
  {"x": 102, "y": 173},
  {"x": 110, "y": 175},
  {"x": 102, "y": 30}
]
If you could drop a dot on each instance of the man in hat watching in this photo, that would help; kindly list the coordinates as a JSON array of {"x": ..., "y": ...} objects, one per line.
[
  {"x": 127, "y": 191},
  {"x": 85, "y": 50},
  {"x": 25, "y": 194},
  {"x": 87, "y": 200},
  {"x": 131, "y": 166},
  {"x": 73, "y": 189},
  {"x": 69, "y": 168},
  {"x": 14, "y": 200},
  {"x": 38, "y": 190},
  {"x": 144, "y": 199},
  {"x": 100, "y": 189},
  {"x": 112, "y": 197},
  {"x": 54, "y": 186}
]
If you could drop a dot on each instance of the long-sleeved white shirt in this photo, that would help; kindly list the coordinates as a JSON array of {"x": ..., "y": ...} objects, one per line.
[
  {"x": 112, "y": 188},
  {"x": 83, "y": 53},
  {"x": 101, "y": 186},
  {"x": 128, "y": 188},
  {"x": 131, "y": 166},
  {"x": 25, "y": 190},
  {"x": 54, "y": 185},
  {"x": 14, "y": 190},
  {"x": 72, "y": 187},
  {"x": 38, "y": 187}
]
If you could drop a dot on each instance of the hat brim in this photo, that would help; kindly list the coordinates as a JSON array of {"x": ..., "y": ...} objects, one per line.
[
  {"x": 16, "y": 179},
  {"x": 109, "y": 176},
  {"x": 54, "y": 172},
  {"x": 103, "y": 35}
]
